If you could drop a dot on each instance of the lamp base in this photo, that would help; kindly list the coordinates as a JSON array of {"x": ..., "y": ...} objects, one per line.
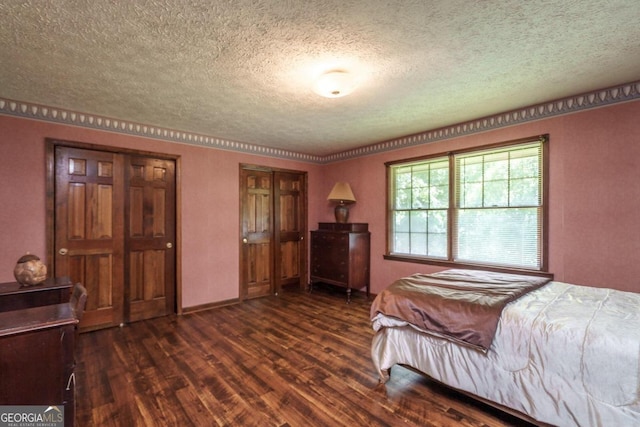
[{"x": 342, "y": 213}]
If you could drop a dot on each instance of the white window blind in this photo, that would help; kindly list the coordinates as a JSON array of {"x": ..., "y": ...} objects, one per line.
[{"x": 499, "y": 207}]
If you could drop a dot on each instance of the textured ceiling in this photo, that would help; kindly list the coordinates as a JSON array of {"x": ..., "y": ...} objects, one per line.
[{"x": 243, "y": 69}]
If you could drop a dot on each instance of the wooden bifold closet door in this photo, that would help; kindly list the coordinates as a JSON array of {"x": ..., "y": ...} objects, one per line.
[
  {"x": 114, "y": 232},
  {"x": 273, "y": 212}
]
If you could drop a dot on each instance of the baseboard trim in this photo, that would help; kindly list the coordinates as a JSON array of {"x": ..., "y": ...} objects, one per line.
[{"x": 208, "y": 306}]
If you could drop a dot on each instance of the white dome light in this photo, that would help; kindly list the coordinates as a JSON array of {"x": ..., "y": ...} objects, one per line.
[{"x": 334, "y": 84}]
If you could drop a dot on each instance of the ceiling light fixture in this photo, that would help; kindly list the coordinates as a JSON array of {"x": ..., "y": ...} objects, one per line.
[{"x": 335, "y": 83}]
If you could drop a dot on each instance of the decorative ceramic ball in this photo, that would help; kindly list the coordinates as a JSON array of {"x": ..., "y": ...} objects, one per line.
[{"x": 30, "y": 270}]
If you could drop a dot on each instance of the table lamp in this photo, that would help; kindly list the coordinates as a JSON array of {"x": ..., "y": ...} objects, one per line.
[{"x": 341, "y": 194}]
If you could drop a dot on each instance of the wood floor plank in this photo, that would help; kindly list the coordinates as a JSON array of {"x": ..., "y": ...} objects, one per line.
[{"x": 297, "y": 359}]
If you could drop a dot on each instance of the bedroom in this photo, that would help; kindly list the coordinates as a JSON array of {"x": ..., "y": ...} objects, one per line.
[{"x": 594, "y": 174}]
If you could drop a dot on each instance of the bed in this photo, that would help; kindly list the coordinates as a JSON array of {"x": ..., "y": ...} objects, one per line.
[{"x": 558, "y": 354}]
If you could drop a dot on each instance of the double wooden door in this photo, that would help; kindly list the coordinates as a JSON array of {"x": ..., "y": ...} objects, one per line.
[
  {"x": 114, "y": 231},
  {"x": 273, "y": 225}
]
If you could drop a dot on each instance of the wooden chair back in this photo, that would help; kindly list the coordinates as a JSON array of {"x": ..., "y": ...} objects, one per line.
[{"x": 78, "y": 300}]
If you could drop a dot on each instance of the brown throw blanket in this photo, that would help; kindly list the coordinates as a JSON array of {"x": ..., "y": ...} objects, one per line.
[{"x": 460, "y": 305}]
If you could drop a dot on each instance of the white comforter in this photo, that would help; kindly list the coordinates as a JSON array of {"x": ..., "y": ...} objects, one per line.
[{"x": 565, "y": 355}]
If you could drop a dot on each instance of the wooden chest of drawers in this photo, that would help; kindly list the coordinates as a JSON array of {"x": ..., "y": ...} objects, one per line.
[{"x": 340, "y": 255}]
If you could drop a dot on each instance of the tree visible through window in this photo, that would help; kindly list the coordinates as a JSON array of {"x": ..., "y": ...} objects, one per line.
[
  {"x": 421, "y": 202},
  {"x": 481, "y": 207}
]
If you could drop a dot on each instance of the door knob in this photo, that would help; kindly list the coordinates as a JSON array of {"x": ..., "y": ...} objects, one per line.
[
  {"x": 169, "y": 245},
  {"x": 63, "y": 251},
  {"x": 245, "y": 240}
]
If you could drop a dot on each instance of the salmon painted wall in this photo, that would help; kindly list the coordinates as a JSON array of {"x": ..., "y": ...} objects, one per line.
[
  {"x": 210, "y": 201},
  {"x": 594, "y": 198},
  {"x": 594, "y": 201}
]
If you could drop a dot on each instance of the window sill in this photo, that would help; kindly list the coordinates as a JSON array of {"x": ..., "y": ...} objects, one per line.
[{"x": 452, "y": 264}]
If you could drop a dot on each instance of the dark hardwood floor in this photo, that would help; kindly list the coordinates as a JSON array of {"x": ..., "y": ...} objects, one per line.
[{"x": 297, "y": 359}]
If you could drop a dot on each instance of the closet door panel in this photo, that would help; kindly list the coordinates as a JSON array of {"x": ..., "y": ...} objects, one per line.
[
  {"x": 89, "y": 231},
  {"x": 150, "y": 237},
  {"x": 256, "y": 257}
]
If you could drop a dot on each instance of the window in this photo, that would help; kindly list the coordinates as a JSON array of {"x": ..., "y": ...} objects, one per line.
[{"x": 483, "y": 207}]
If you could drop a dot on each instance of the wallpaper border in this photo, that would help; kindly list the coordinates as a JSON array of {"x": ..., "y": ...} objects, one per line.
[{"x": 613, "y": 95}]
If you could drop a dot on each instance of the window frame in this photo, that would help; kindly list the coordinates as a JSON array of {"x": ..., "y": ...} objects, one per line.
[{"x": 451, "y": 155}]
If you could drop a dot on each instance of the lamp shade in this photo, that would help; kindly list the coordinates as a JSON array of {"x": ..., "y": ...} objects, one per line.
[{"x": 341, "y": 193}]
